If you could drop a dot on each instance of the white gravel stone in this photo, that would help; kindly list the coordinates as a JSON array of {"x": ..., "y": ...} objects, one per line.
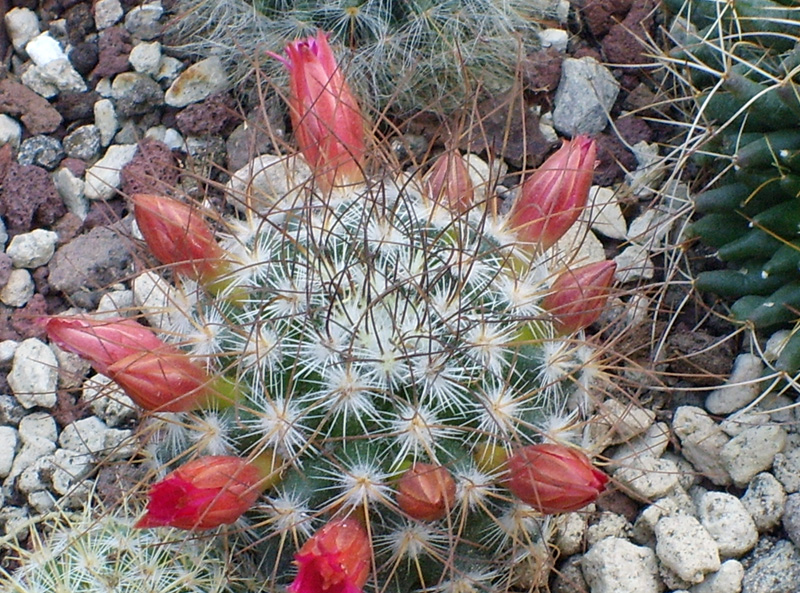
[
  {"x": 607, "y": 524},
  {"x": 786, "y": 468},
  {"x": 197, "y": 82},
  {"x": 72, "y": 191},
  {"x": 105, "y": 118},
  {"x": 18, "y": 289},
  {"x": 31, "y": 479},
  {"x": 34, "y": 374},
  {"x": 22, "y": 25},
  {"x": 742, "y": 387},
  {"x": 623, "y": 421},
  {"x": 143, "y": 21},
  {"x": 84, "y": 436},
  {"x": 604, "y": 214},
  {"x": 686, "y": 548},
  {"x": 702, "y": 441},
  {"x": 555, "y": 38},
  {"x": 69, "y": 467},
  {"x": 169, "y": 136},
  {"x": 103, "y": 178},
  {"x": 615, "y": 565},
  {"x": 677, "y": 502},
  {"x": 644, "y": 180},
  {"x": 752, "y": 452},
  {"x": 728, "y": 579},
  {"x": 634, "y": 263},
  {"x": 41, "y": 502},
  {"x": 9, "y": 441},
  {"x": 161, "y": 303},
  {"x": 648, "y": 477},
  {"x": 108, "y": 401},
  {"x": 38, "y": 425},
  {"x": 33, "y": 449},
  {"x": 43, "y": 49},
  {"x": 60, "y": 74},
  {"x": 586, "y": 92},
  {"x": 764, "y": 500},
  {"x": 7, "y": 349},
  {"x": 652, "y": 443},
  {"x": 146, "y": 57},
  {"x": 261, "y": 182},
  {"x": 740, "y": 421},
  {"x": 107, "y": 13},
  {"x": 10, "y": 131},
  {"x": 727, "y": 520},
  {"x": 570, "y": 532},
  {"x": 169, "y": 69},
  {"x": 33, "y": 249}
]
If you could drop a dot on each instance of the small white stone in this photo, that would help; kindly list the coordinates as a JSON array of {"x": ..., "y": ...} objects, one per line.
[
  {"x": 648, "y": 477},
  {"x": 615, "y": 565},
  {"x": 726, "y": 519},
  {"x": 555, "y": 38},
  {"x": 579, "y": 246},
  {"x": 169, "y": 69},
  {"x": 34, "y": 374},
  {"x": 146, "y": 57},
  {"x": 103, "y": 178},
  {"x": 62, "y": 75},
  {"x": 107, "y": 13},
  {"x": 22, "y": 25},
  {"x": 652, "y": 443},
  {"x": 676, "y": 502},
  {"x": 484, "y": 176},
  {"x": 33, "y": 79},
  {"x": 607, "y": 524},
  {"x": 116, "y": 303},
  {"x": 787, "y": 470},
  {"x": 105, "y": 118},
  {"x": 742, "y": 387},
  {"x": 161, "y": 303},
  {"x": 197, "y": 82},
  {"x": 8, "y": 449},
  {"x": 764, "y": 500},
  {"x": 728, "y": 579},
  {"x": 623, "y": 420},
  {"x": 38, "y": 425},
  {"x": 35, "y": 449},
  {"x": 10, "y": 131},
  {"x": 69, "y": 468},
  {"x": 31, "y": 250},
  {"x": 18, "y": 290},
  {"x": 752, "y": 452},
  {"x": 644, "y": 181},
  {"x": 702, "y": 441},
  {"x": 634, "y": 263},
  {"x": 265, "y": 180},
  {"x": 734, "y": 425},
  {"x": 108, "y": 401},
  {"x": 72, "y": 191},
  {"x": 570, "y": 531},
  {"x": 604, "y": 214},
  {"x": 7, "y": 349},
  {"x": 43, "y": 49},
  {"x": 686, "y": 548}
]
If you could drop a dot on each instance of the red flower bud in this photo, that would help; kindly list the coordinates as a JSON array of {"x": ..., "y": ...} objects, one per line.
[
  {"x": 101, "y": 341},
  {"x": 426, "y": 492},
  {"x": 204, "y": 493},
  {"x": 578, "y": 296},
  {"x": 448, "y": 183},
  {"x": 552, "y": 198},
  {"x": 335, "y": 560},
  {"x": 326, "y": 118},
  {"x": 553, "y": 478},
  {"x": 164, "y": 381},
  {"x": 177, "y": 235}
]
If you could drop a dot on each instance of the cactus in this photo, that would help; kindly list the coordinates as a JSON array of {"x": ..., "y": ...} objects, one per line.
[
  {"x": 411, "y": 55},
  {"x": 372, "y": 353},
  {"x": 742, "y": 60}
]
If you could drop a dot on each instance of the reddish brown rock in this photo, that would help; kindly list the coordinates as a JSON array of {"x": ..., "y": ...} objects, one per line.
[
  {"x": 25, "y": 321},
  {"x": 625, "y": 42},
  {"x": 114, "y": 47},
  {"x": 29, "y": 199},
  {"x": 153, "y": 170},
  {"x": 36, "y": 114},
  {"x": 599, "y": 16},
  {"x": 215, "y": 115}
]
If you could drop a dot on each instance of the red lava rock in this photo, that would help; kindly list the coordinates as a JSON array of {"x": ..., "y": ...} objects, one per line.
[
  {"x": 212, "y": 116},
  {"x": 6, "y": 331},
  {"x": 68, "y": 228},
  {"x": 76, "y": 166},
  {"x": 114, "y": 47},
  {"x": 153, "y": 170},
  {"x": 600, "y": 16},
  {"x": 84, "y": 56},
  {"x": 624, "y": 42},
  {"x": 40, "y": 276},
  {"x": 77, "y": 106},
  {"x": 80, "y": 22},
  {"x": 29, "y": 197},
  {"x": 613, "y": 156},
  {"x": 541, "y": 71},
  {"x": 633, "y": 129},
  {"x": 25, "y": 321},
  {"x": 36, "y": 113},
  {"x": 104, "y": 213}
]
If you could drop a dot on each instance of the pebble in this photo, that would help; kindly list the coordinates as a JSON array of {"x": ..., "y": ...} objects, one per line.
[
  {"x": 58, "y": 74},
  {"x": 764, "y": 500},
  {"x": 604, "y": 214},
  {"x": 43, "y": 49},
  {"x": 776, "y": 570},
  {"x": 44, "y": 151},
  {"x": 740, "y": 421},
  {"x": 742, "y": 387},
  {"x": 91, "y": 436},
  {"x": 645, "y": 180},
  {"x": 108, "y": 401},
  {"x": 18, "y": 289},
  {"x": 135, "y": 94},
  {"x": 652, "y": 443},
  {"x": 677, "y": 502},
  {"x": 7, "y": 349},
  {"x": 615, "y": 565},
  {"x": 686, "y": 548},
  {"x": 69, "y": 468},
  {"x": 586, "y": 92},
  {"x": 648, "y": 477},
  {"x": 623, "y": 421},
  {"x": 728, "y": 579},
  {"x": 72, "y": 191},
  {"x": 146, "y": 58},
  {"x": 10, "y": 131},
  {"x": 34, "y": 374},
  {"x": 83, "y": 143},
  {"x": 197, "y": 82},
  {"x": 142, "y": 21},
  {"x": 607, "y": 524},
  {"x": 103, "y": 178},
  {"x": 752, "y": 452},
  {"x": 570, "y": 532},
  {"x": 791, "y": 518},
  {"x": 31, "y": 250},
  {"x": 727, "y": 520},
  {"x": 105, "y": 118},
  {"x": 702, "y": 441},
  {"x": 634, "y": 263},
  {"x": 22, "y": 25},
  {"x": 9, "y": 441},
  {"x": 107, "y": 13},
  {"x": 786, "y": 468}
]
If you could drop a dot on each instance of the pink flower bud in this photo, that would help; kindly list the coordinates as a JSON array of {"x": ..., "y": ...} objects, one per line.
[
  {"x": 164, "y": 381},
  {"x": 553, "y": 478},
  {"x": 101, "y": 341},
  {"x": 448, "y": 183},
  {"x": 426, "y": 492},
  {"x": 326, "y": 118},
  {"x": 335, "y": 560},
  {"x": 178, "y": 235},
  {"x": 552, "y": 198},
  {"x": 579, "y": 296},
  {"x": 204, "y": 493}
]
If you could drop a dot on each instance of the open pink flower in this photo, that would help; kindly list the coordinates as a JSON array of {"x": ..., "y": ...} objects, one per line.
[
  {"x": 335, "y": 560},
  {"x": 326, "y": 118},
  {"x": 552, "y": 198},
  {"x": 102, "y": 341},
  {"x": 204, "y": 493},
  {"x": 579, "y": 296},
  {"x": 554, "y": 478}
]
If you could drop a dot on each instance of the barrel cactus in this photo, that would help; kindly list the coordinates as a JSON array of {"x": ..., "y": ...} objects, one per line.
[{"x": 372, "y": 368}]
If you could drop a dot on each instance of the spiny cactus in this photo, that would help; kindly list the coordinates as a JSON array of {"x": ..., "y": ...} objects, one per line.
[
  {"x": 412, "y": 55},
  {"x": 371, "y": 353},
  {"x": 743, "y": 59}
]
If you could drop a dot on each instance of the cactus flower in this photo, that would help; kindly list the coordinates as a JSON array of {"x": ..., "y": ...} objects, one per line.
[
  {"x": 177, "y": 235},
  {"x": 102, "y": 341},
  {"x": 579, "y": 296},
  {"x": 554, "y": 478},
  {"x": 336, "y": 559},
  {"x": 326, "y": 117},
  {"x": 426, "y": 492},
  {"x": 552, "y": 198},
  {"x": 168, "y": 381},
  {"x": 448, "y": 183},
  {"x": 205, "y": 493}
]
